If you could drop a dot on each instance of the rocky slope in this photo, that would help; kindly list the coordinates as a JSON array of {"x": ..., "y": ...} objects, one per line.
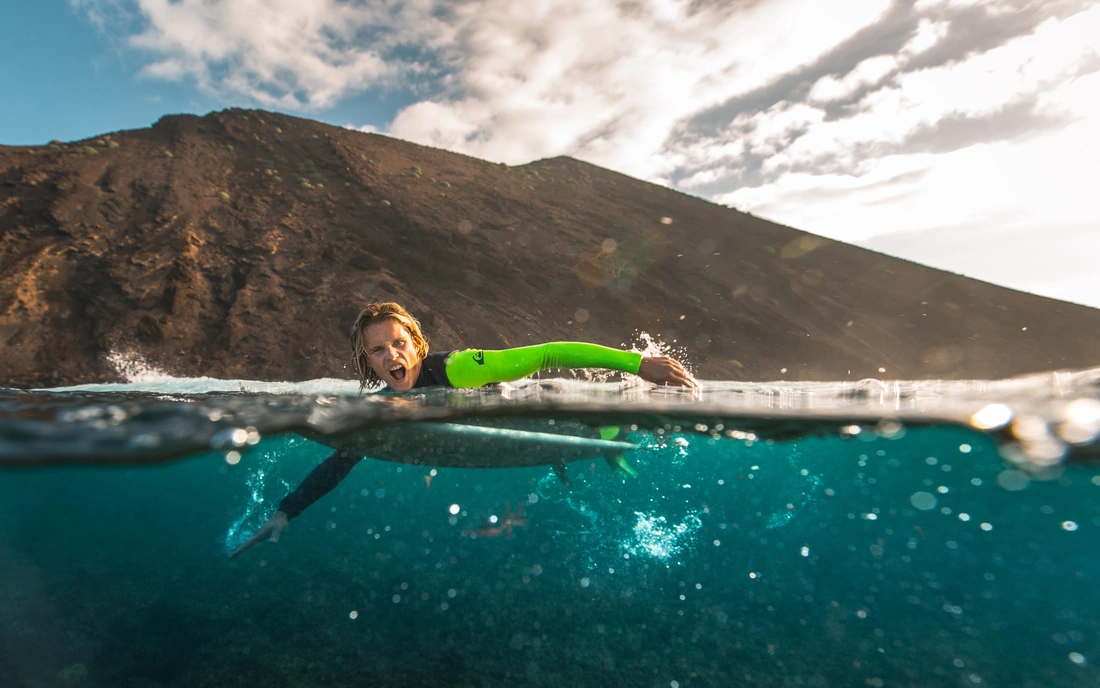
[{"x": 242, "y": 244}]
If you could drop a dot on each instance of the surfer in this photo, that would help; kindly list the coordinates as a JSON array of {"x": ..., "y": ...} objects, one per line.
[{"x": 390, "y": 348}]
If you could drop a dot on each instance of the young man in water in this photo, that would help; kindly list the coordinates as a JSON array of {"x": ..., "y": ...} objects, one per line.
[{"x": 390, "y": 348}]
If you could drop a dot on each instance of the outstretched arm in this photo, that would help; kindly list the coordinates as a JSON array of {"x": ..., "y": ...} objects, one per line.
[
  {"x": 317, "y": 484},
  {"x": 476, "y": 367}
]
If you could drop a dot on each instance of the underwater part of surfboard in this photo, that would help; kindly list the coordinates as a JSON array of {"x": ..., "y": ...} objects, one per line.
[{"x": 477, "y": 444}]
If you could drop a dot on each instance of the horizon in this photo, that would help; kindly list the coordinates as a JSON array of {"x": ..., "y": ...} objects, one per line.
[{"x": 944, "y": 132}]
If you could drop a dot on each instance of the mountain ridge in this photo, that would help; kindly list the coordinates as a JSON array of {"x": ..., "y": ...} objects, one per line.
[{"x": 242, "y": 243}]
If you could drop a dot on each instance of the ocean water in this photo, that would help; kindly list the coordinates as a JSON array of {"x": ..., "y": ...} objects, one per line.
[{"x": 788, "y": 534}]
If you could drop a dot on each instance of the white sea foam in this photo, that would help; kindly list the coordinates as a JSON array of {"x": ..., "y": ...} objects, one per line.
[
  {"x": 203, "y": 385},
  {"x": 141, "y": 376}
]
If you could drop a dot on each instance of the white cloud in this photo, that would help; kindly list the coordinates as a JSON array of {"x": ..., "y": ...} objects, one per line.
[
  {"x": 928, "y": 34},
  {"x": 365, "y": 128},
  {"x": 868, "y": 72},
  {"x": 608, "y": 82},
  {"x": 969, "y": 113},
  {"x": 974, "y": 181},
  {"x": 284, "y": 53},
  {"x": 1058, "y": 262},
  {"x": 514, "y": 81}
]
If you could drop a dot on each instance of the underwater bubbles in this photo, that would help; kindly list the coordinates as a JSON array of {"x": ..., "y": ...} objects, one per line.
[
  {"x": 890, "y": 430},
  {"x": 925, "y": 501},
  {"x": 1013, "y": 480},
  {"x": 655, "y": 537}
]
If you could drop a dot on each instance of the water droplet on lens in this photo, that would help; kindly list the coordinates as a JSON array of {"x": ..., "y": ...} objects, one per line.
[
  {"x": 229, "y": 437},
  {"x": 1013, "y": 480},
  {"x": 923, "y": 500},
  {"x": 991, "y": 417}
]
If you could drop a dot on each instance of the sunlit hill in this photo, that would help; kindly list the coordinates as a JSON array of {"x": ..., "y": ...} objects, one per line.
[{"x": 241, "y": 244}]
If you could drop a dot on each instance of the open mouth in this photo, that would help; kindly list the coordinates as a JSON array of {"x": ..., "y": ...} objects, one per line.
[{"x": 398, "y": 373}]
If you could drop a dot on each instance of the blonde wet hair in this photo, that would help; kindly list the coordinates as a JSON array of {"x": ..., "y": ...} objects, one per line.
[{"x": 375, "y": 313}]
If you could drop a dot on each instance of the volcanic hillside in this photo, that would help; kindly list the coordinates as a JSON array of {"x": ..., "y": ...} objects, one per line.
[{"x": 242, "y": 244}]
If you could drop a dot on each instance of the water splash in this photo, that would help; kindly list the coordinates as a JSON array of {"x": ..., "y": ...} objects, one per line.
[
  {"x": 133, "y": 367},
  {"x": 646, "y": 345},
  {"x": 257, "y": 507},
  {"x": 237, "y": 533},
  {"x": 654, "y": 537}
]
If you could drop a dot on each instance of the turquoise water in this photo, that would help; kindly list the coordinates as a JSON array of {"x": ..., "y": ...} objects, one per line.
[{"x": 904, "y": 554}]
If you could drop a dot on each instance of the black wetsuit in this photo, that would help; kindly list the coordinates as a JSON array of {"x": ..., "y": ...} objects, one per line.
[
  {"x": 467, "y": 369},
  {"x": 335, "y": 468},
  {"x": 433, "y": 371}
]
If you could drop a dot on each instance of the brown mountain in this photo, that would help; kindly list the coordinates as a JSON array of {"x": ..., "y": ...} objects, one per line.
[{"x": 242, "y": 244}]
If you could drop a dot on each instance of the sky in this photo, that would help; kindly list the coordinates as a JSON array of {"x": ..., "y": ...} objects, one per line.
[{"x": 960, "y": 134}]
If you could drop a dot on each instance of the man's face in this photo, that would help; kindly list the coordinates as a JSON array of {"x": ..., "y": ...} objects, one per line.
[{"x": 392, "y": 354}]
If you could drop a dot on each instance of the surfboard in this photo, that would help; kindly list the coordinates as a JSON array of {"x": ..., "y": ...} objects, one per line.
[{"x": 504, "y": 444}]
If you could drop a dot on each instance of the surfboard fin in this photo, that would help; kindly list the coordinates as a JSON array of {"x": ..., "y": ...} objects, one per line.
[
  {"x": 559, "y": 470},
  {"x": 619, "y": 464}
]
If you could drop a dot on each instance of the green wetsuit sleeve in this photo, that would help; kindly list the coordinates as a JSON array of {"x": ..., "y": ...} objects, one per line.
[{"x": 474, "y": 367}]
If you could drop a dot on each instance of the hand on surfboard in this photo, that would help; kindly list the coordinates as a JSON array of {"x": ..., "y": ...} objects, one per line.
[
  {"x": 663, "y": 370},
  {"x": 268, "y": 531}
]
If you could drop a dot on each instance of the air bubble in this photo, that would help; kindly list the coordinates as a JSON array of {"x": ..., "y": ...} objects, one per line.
[{"x": 924, "y": 501}]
